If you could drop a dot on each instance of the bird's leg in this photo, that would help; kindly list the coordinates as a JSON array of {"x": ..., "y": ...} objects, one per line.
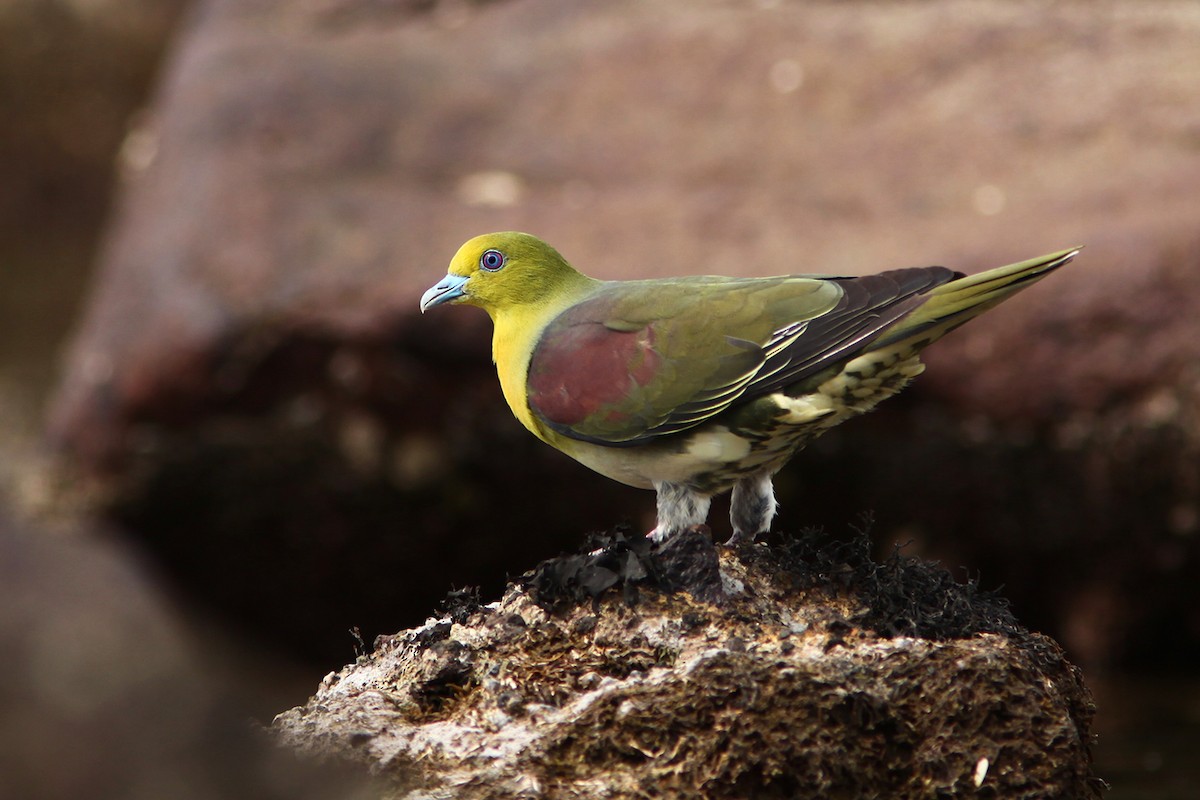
[
  {"x": 679, "y": 508},
  {"x": 752, "y": 507}
]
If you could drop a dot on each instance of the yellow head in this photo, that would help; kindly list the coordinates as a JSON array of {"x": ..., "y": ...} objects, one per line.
[{"x": 502, "y": 271}]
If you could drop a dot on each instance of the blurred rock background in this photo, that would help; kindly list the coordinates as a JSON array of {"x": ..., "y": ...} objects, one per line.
[{"x": 222, "y": 213}]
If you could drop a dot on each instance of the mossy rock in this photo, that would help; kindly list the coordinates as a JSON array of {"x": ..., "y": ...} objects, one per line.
[{"x": 792, "y": 670}]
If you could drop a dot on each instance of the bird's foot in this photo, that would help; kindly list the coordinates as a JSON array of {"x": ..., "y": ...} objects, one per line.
[
  {"x": 741, "y": 537},
  {"x": 658, "y": 537}
]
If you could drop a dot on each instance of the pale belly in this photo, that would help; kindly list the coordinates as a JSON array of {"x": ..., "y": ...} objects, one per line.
[{"x": 710, "y": 449}]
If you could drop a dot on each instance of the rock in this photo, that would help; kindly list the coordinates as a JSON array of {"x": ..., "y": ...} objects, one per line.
[
  {"x": 816, "y": 672},
  {"x": 310, "y": 166}
]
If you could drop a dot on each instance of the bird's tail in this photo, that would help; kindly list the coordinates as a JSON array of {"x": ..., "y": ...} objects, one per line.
[{"x": 965, "y": 298}]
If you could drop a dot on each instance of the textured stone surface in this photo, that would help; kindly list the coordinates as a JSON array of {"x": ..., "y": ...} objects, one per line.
[
  {"x": 309, "y": 167},
  {"x": 789, "y": 683}
]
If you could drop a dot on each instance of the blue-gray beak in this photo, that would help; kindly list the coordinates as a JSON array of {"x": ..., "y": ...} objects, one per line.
[{"x": 447, "y": 289}]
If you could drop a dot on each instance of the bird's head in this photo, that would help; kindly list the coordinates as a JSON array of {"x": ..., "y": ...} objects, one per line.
[{"x": 502, "y": 271}]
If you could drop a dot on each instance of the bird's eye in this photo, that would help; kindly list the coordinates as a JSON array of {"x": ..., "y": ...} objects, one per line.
[{"x": 492, "y": 260}]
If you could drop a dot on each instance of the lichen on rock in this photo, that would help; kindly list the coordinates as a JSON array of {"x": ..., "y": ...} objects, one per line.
[{"x": 633, "y": 669}]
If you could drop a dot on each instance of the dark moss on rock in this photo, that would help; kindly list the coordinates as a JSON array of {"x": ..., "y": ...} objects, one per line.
[{"x": 621, "y": 559}]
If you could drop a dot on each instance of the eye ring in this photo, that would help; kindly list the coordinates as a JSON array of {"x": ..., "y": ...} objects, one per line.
[{"x": 492, "y": 260}]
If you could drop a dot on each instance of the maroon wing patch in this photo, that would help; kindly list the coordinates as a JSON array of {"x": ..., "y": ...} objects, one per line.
[{"x": 586, "y": 371}]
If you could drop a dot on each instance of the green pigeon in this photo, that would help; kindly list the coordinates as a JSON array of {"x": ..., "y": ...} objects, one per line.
[{"x": 697, "y": 385}]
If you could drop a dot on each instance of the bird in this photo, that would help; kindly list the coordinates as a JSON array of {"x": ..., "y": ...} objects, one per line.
[{"x": 697, "y": 385}]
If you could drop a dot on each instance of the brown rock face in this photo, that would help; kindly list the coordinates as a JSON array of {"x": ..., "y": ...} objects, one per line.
[
  {"x": 252, "y": 374},
  {"x": 783, "y": 684}
]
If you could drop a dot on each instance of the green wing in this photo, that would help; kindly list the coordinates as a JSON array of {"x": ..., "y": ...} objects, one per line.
[{"x": 645, "y": 359}]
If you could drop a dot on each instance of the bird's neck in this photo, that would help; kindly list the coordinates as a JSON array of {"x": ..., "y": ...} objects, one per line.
[{"x": 515, "y": 335}]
